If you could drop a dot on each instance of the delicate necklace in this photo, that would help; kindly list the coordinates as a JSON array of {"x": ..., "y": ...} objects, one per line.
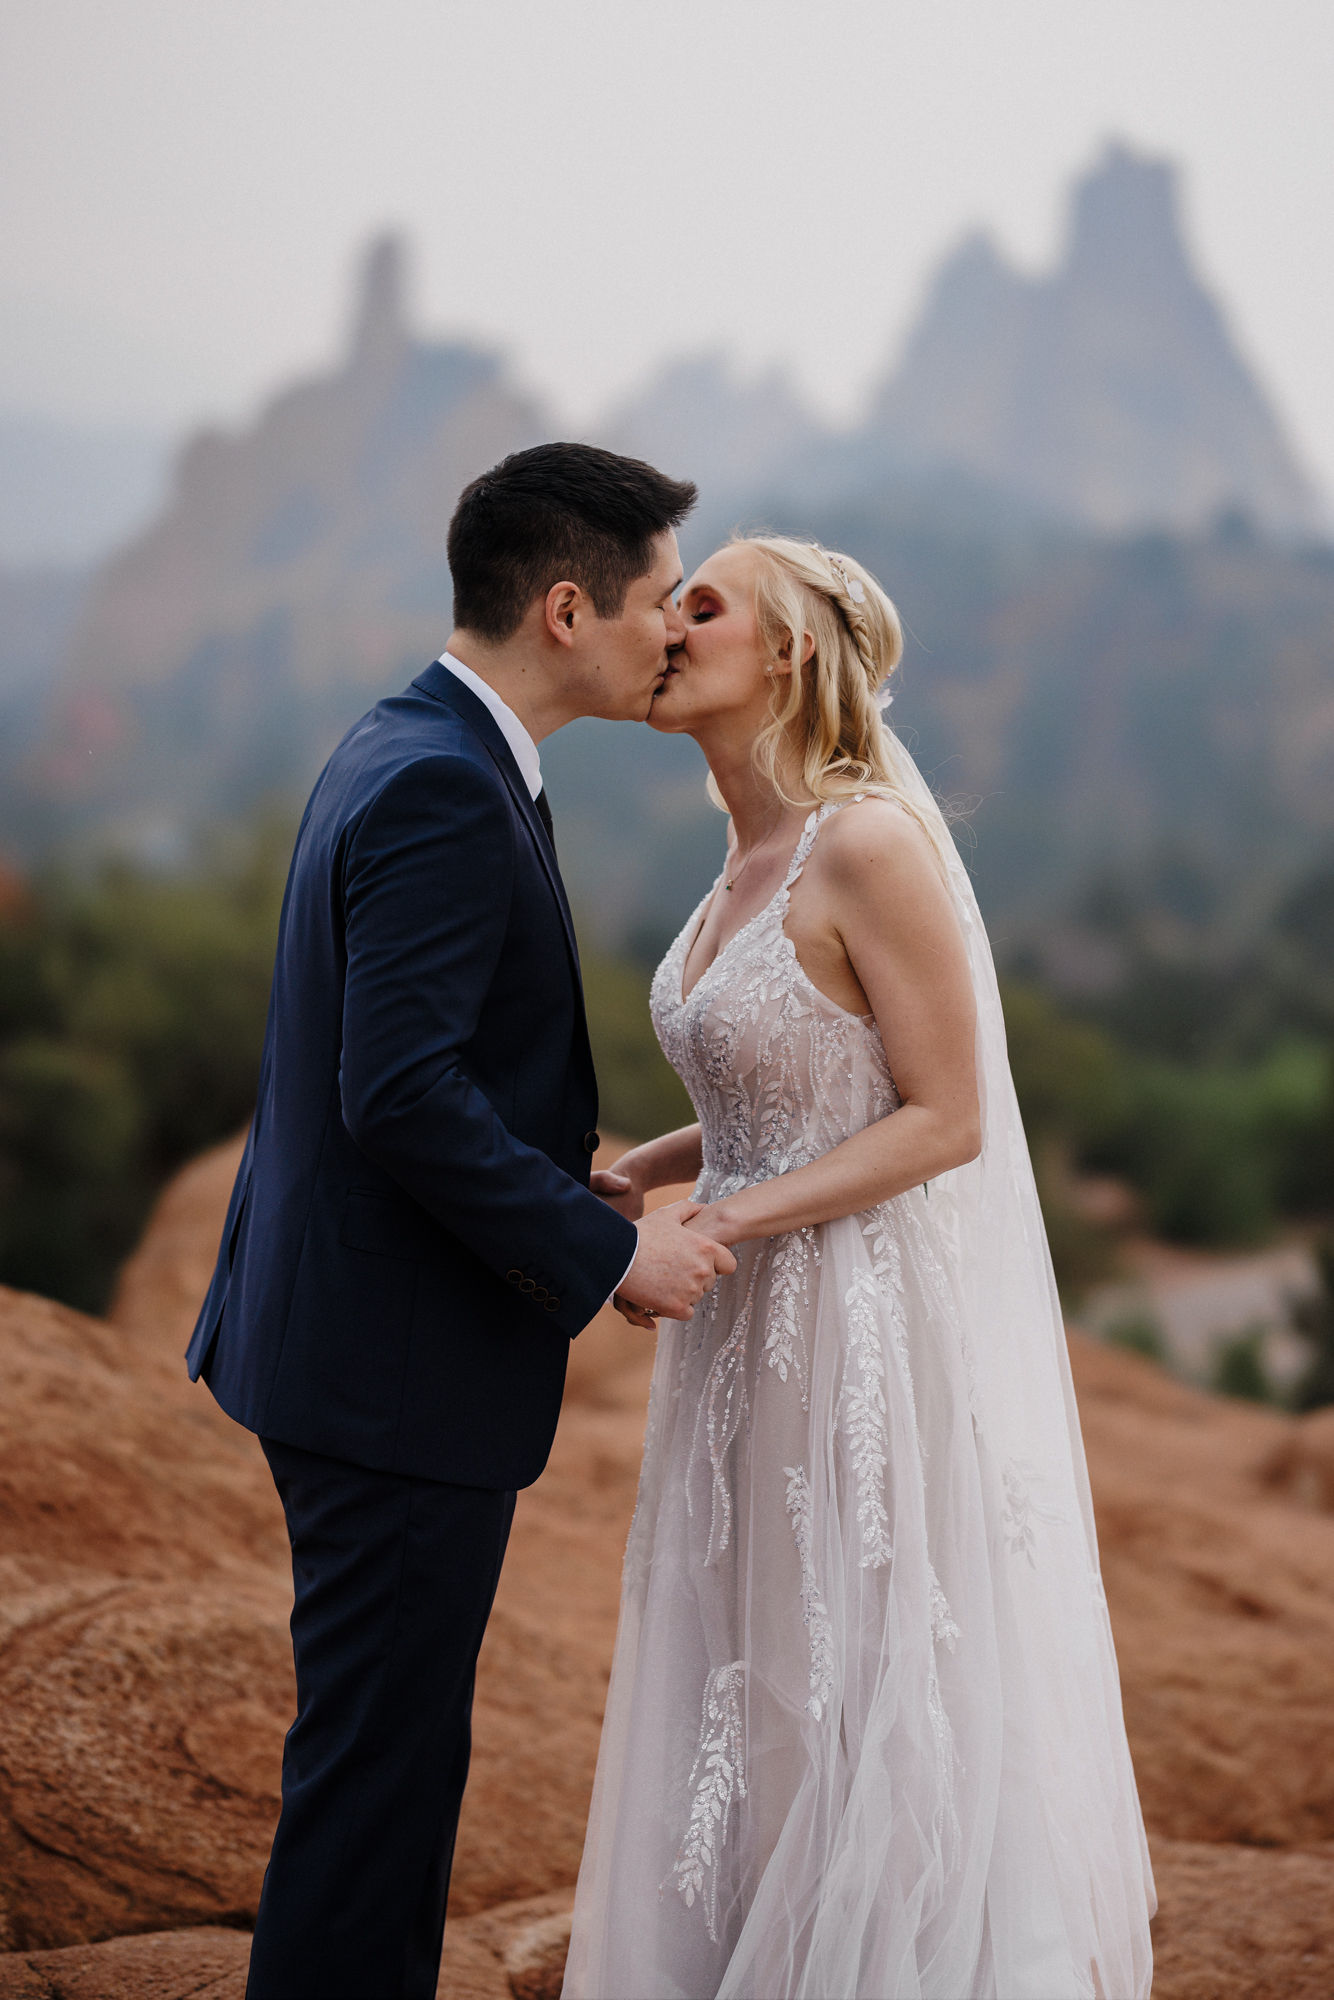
[{"x": 730, "y": 881}]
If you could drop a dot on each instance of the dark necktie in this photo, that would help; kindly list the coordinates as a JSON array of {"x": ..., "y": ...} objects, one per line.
[{"x": 544, "y": 814}]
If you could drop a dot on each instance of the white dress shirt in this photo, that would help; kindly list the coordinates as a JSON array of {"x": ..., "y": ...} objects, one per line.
[
  {"x": 525, "y": 756},
  {"x": 508, "y": 723}
]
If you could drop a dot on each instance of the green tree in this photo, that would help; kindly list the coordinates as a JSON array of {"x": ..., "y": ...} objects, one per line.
[
  {"x": 131, "y": 1017},
  {"x": 1239, "y": 1368},
  {"x": 72, "y": 1189},
  {"x": 639, "y": 1093},
  {"x": 1071, "y": 1086},
  {"x": 1140, "y": 1332},
  {"x": 1314, "y": 1317}
]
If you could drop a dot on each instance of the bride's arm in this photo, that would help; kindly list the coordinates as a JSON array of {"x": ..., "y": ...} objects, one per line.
[
  {"x": 874, "y": 880},
  {"x": 666, "y": 1161}
]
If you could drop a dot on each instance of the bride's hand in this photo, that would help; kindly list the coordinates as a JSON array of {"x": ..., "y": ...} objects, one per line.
[
  {"x": 622, "y": 1187},
  {"x": 714, "y": 1220}
]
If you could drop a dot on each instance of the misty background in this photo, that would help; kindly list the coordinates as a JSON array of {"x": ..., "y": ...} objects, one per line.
[{"x": 1027, "y": 307}]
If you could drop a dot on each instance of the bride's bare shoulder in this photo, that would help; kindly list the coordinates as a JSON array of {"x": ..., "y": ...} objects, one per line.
[
  {"x": 872, "y": 837},
  {"x": 880, "y": 878}
]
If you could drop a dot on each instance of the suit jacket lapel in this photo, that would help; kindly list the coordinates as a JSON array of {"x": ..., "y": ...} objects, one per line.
[{"x": 443, "y": 686}]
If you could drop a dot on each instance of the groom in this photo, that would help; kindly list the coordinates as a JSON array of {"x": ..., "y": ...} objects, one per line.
[{"x": 411, "y": 1242}]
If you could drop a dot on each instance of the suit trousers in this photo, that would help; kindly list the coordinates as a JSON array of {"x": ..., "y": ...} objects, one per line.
[{"x": 394, "y": 1580}]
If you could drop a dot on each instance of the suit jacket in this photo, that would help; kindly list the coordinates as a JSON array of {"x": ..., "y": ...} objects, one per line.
[{"x": 411, "y": 1242}]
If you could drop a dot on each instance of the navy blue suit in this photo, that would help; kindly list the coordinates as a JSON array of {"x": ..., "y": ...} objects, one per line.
[
  {"x": 410, "y": 1245},
  {"x": 410, "y": 1241}
]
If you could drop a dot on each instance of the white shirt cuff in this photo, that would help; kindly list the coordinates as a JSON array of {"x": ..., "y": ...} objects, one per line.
[{"x": 621, "y": 1280}]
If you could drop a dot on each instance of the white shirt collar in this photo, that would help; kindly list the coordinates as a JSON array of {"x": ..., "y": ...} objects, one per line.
[{"x": 513, "y": 731}]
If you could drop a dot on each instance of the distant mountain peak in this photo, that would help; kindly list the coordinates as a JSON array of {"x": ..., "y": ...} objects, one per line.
[
  {"x": 300, "y": 551},
  {"x": 1109, "y": 391},
  {"x": 380, "y": 329},
  {"x": 978, "y": 259},
  {"x": 1127, "y": 225},
  {"x": 975, "y": 281},
  {"x": 698, "y": 417}
]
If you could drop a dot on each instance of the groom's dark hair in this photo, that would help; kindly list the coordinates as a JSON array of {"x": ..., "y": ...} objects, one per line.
[{"x": 558, "y": 513}]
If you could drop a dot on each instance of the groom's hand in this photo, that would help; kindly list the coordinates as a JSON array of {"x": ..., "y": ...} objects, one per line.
[{"x": 674, "y": 1265}]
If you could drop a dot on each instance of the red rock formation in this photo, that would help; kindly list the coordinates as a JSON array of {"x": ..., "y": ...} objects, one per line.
[{"x": 145, "y": 1680}]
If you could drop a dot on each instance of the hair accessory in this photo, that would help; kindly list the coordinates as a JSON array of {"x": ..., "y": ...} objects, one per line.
[{"x": 852, "y": 585}]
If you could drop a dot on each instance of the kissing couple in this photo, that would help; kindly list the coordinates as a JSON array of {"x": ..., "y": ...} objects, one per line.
[{"x": 863, "y": 1738}]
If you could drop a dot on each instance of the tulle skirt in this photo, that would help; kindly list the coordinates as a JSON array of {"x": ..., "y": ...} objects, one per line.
[{"x": 863, "y": 1738}]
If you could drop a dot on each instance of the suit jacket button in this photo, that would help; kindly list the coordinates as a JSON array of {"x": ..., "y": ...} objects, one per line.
[
  {"x": 527, "y": 1284},
  {"x": 552, "y": 1305},
  {"x": 514, "y": 1277},
  {"x": 540, "y": 1294},
  {"x": 592, "y": 1140}
]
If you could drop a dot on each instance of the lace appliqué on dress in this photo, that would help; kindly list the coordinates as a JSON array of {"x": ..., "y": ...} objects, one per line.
[
  {"x": 785, "y": 1343},
  {"x": 867, "y": 1432},
  {"x": 814, "y": 1614},
  {"x": 718, "y": 1776},
  {"x": 724, "y": 1410},
  {"x": 887, "y": 1268},
  {"x": 943, "y": 1628},
  {"x": 1022, "y": 1511},
  {"x": 947, "y": 1812}
]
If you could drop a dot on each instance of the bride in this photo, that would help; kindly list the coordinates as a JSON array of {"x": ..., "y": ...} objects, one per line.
[{"x": 863, "y": 1736}]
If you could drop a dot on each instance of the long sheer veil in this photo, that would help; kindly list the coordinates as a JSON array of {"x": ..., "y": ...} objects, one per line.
[{"x": 1067, "y": 1788}]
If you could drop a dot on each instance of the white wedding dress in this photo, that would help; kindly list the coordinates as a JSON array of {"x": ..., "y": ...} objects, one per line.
[{"x": 863, "y": 1739}]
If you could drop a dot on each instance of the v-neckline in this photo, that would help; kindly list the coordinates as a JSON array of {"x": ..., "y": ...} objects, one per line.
[{"x": 685, "y": 998}]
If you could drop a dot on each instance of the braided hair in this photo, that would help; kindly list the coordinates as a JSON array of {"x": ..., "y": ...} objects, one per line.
[{"x": 827, "y": 732}]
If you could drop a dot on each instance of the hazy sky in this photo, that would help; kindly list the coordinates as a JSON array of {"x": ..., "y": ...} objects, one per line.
[{"x": 597, "y": 183}]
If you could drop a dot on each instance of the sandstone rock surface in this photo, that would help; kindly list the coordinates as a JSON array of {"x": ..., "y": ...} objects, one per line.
[{"x": 145, "y": 1681}]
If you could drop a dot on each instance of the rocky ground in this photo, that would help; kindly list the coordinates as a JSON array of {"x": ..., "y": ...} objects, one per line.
[{"x": 145, "y": 1681}]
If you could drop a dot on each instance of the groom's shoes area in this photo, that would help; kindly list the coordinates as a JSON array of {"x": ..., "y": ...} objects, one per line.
[{"x": 394, "y": 1579}]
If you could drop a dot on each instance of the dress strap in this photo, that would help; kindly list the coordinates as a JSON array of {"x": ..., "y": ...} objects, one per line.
[{"x": 814, "y": 822}]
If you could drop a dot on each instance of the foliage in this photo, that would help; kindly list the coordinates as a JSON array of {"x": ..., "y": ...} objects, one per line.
[
  {"x": 639, "y": 1093},
  {"x": 132, "y": 1011},
  {"x": 1084, "y": 1253},
  {"x": 1140, "y": 1333},
  {"x": 1183, "y": 981},
  {"x": 1239, "y": 1368},
  {"x": 72, "y": 1185},
  {"x": 1314, "y": 1317},
  {"x": 1217, "y": 1151},
  {"x": 131, "y": 1016},
  {"x": 1071, "y": 1089},
  {"x": 1071, "y": 1079}
]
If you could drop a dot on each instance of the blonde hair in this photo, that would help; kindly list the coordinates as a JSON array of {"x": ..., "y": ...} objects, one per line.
[{"x": 826, "y": 714}]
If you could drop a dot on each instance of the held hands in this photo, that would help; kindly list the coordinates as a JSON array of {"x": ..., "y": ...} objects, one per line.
[
  {"x": 674, "y": 1266},
  {"x": 620, "y": 1189},
  {"x": 634, "y": 1315}
]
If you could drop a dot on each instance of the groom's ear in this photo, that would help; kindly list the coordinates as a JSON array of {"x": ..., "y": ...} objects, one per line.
[{"x": 564, "y": 604}]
